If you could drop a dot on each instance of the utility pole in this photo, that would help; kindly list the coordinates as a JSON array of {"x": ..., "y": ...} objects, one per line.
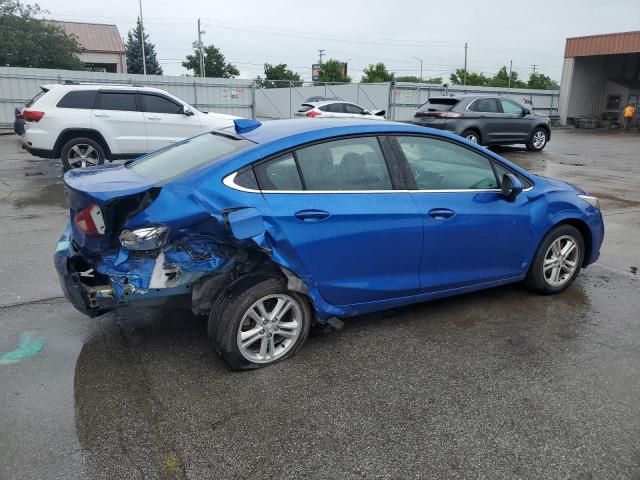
[
  {"x": 533, "y": 68},
  {"x": 144, "y": 57},
  {"x": 510, "y": 70},
  {"x": 200, "y": 32},
  {"x": 464, "y": 81},
  {"x": 320, "y": 55},
  {"x": 420, "y": 60}
]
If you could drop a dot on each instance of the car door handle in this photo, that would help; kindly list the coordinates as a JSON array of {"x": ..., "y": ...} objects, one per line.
[
  {"x": 441, "y": 213},
  {"x": 311, "y": 215},
  {"x": 154, "y": 117},
  {"x": 101, "y": 115}
]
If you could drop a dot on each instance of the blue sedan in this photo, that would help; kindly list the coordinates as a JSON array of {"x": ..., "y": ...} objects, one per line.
[{"x": 268, "y": 228}]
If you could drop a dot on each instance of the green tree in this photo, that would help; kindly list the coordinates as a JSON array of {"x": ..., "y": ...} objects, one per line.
[
  {"x": 332, "y": 71},
  {"x": 26, "y": 41},
  {"x": 501, "y": 79},
  {"x": 542, "y": 82},
  {"x": 414, "y": 79},
  {"x": 215, "y": 65},
  {"x": 473, "y": 79},
  {"x": 134, "y": 52},
  {"x": 278, "y": 72},
  {"x": 377, "y": 73}
]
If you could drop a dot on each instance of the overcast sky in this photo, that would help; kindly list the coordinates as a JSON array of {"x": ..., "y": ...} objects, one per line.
[{"x": 252, "y": 32}]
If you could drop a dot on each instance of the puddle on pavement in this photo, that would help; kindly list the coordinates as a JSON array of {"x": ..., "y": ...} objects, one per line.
[{"x": 51, "y": 194}]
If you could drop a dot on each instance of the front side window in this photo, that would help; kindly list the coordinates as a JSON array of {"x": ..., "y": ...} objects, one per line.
[
  {"x": 511, "y": 107},
  {"x": 182, "y": 157},
  {"x": 158, "y": 104},
  {"x": 442, "y": 165},
  {"x": 279, "y": 173},
  {"x": 487, "y": 105},
  {"x": 349, "y": 164},
  {"x": 353, "y": 109},
  {"x": 116, "y": 101}
]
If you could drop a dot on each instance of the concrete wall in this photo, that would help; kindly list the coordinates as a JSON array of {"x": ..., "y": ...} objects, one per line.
[{"x": 222, "y": 95}]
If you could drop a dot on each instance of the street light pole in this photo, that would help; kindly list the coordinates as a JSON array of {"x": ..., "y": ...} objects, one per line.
[
  {"x": 144, "y": 57},
  {"x": 420, "y": 60}
]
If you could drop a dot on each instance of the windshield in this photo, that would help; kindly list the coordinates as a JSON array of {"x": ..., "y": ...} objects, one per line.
[{"x": 182, "y": 157}]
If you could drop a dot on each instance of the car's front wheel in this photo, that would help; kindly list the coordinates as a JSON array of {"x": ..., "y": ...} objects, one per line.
[
  {"x": 81, "y": 153},
  {"x": 538, "y": 140},
  {"x": 558, "y": 260},
  {"x": 258, "y": 322}
]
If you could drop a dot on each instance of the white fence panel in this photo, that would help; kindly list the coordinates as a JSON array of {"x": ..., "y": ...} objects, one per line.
[{"x": 222, "y": 95}]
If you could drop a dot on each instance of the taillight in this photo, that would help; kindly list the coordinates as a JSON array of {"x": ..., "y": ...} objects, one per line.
[
  {"x": 313, "y": 113},
  {"x": 90, "y": 220},
  {"x": 439, "y": 114},
  {"x": 32, "y": 115}
]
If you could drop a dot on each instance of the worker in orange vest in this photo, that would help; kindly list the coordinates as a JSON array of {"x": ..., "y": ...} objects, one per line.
[{"x": 629, "y": 111}]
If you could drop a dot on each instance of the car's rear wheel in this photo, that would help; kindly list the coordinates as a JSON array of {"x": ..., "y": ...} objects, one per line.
[
  {"x": 81, "y": 153},
  {"x": 471, "y": 136},
  {"x": 538, "y": 140},
  {"x": 258, "y": 322},
  {"x": 558, "y": 260}
]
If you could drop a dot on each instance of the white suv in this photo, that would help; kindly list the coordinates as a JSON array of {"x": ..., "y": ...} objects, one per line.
[{"x": 85, "y": 124}]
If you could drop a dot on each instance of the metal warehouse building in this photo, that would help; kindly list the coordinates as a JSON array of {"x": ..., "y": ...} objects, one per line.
[{"x": 600, "y": 76}]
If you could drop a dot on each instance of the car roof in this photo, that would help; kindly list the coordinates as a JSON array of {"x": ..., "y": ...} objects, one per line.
[
  {"x": 327, "y": 102},
  {"x": 98, "y": 86},
  {"x": 320, "y": 128}
]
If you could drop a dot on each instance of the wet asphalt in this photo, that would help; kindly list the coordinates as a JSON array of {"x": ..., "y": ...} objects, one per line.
[{"x": 496, "y": 384}]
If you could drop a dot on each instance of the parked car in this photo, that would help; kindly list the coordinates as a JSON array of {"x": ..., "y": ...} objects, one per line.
[
  {"x": 338, "y": 109},
  {"x": 18, "y": 123},
  {"x": 267, "y": 228},
  {"x": 486, "y": 120},
  {"x": 84, "y": 125}
]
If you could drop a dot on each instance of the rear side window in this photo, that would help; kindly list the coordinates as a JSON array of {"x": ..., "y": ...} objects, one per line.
[
  {"x": 158, "y": 104},
  {"x": 441, "y": 165},
  {"x": 333, "y": 108},
  {"x": 78, "y": 99},
  {"x": 182, "y": 157},
  {"x": 280, "y": 173},
  {"x": 489, "y": 105},
  {"x": 116, "y": 101},
  {"x": 350, "y": 164},
  {"x": 438, "y": 105}
]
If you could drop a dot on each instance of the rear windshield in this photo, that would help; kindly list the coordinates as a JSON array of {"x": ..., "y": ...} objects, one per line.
[
  {"x": 180, "y": 158},
  {"x": 36, "y": 97},
  {"x": 438, "y": 105},
  {"x": 305, "y": 108}
]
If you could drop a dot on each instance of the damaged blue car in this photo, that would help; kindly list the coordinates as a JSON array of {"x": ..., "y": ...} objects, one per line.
[{"x": 268, "y": 228}]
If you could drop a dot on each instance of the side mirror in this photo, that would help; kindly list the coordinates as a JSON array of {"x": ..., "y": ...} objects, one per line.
[
  {"x": 511, "y": 186},
  {"x": 187, "y": 111}
]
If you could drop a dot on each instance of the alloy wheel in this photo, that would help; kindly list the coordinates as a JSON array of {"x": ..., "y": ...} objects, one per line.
[
  {"x": 561, "y": 260},
  {"x": 539, "y": 139},
  {"x": 83, "y": 155},
  {"x": 269, "y": 328},
  {"x": 472, "y": 138}
]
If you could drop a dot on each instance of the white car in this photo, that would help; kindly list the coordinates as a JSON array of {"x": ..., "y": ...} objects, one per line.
[
  {"x": 338, "y": 109},
  {"x": 85, "y": 124}
]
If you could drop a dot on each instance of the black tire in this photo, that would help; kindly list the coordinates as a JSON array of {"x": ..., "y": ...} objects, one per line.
[
  {"x": 534, "y": 145},
  {"x": 471, "y": 135},
  {"x": 68, "y": 153},
  {"x": 229, "y": 310},
  {"x": 536, "y": 279}
]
